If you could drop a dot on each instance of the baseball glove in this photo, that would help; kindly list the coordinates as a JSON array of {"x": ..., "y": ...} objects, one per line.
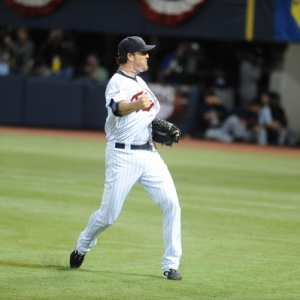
[{"x": 164, "y": 132}]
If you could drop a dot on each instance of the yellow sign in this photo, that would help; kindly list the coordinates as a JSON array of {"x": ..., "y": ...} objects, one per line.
[
  {"x": 250, "y": 15},
  {"x": 295, "y": 11}
]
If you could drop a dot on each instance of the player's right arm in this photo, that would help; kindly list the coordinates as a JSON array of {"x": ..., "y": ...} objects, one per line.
[
  {"x": 121, "y": 102},
  {"x": 142, "y": 103}
]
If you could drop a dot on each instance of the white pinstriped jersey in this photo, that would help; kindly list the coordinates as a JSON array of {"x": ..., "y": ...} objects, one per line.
[{"x": 134, "y": 128}]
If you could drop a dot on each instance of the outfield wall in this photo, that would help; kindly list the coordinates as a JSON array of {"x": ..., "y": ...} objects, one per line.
[
  {"x": 30, "y": 101},
  {"x": 80, "y": 104}
]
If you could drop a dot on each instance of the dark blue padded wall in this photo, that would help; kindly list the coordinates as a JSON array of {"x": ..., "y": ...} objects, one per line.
[
  {"x": 95, "y": 110},
  {"x": 37, "y": 102},
  {"x": 12, "y": 89},
  {"x": 54, "y": 103}
]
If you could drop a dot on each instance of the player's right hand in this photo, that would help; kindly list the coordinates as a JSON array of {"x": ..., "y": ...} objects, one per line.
[{"x": 144, "y": 101}]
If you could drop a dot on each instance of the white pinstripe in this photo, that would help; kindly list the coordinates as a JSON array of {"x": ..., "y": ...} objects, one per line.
[{"x": 125, "y": 167}]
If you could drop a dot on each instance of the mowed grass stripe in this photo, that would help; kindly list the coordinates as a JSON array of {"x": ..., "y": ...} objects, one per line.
[
  {"x": 36, "y": 179},
  {"x": 95, "y": 192}
]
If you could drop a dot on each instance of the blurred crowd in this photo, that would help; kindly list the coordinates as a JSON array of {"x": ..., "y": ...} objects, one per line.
[
  {"x": 238, "y": 108},
  {"x": 54, "y": 57},
  {"x": 262, "y": 121},
  {"x": 236, "y": 105}
]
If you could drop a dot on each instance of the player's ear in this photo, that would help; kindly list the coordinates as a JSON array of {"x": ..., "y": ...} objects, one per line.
[{"x": 130, "y": 56}]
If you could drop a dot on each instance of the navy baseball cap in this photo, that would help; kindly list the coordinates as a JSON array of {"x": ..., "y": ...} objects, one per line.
[{"x": 133, "y": 44}]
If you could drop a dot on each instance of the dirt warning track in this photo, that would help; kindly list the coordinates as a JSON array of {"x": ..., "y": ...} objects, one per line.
[{"x": 184, "y": 142}]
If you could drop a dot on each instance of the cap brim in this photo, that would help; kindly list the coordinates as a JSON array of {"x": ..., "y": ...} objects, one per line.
[{"x": 147, "y": 48}]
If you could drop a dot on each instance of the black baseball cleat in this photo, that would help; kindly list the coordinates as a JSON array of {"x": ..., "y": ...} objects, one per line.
[
  {"x": 76, "y": 259},
  {"x": 172, "y": 274}
]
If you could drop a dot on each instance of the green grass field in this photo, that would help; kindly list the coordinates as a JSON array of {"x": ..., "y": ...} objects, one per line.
[{"x": 240, "y": 225}]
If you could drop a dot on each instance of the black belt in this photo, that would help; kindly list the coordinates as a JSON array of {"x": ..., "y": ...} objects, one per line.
[{"x": 134, "y": 147}]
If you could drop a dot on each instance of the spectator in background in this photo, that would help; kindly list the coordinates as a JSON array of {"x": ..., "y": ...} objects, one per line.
[
  {"x": 220, "y": 83},
  {"x": 171, "y": 68},
  {"x": 211, "y": 112},
  {"x": 273, "y": 120},
  {"x": 194, "y": 64},
  {"x": 92, "y": 69},
  {"x": 4, "y": 66},
  {"x": 250, "y": 73},
  {"x": 241, "y": 125},
  {"x": 265, "y": 119},
  {"x": 21, "y": 50},
  {"x": 39, "y": 68},
  {"x": 279, "y": 116},
  {"x": 59, "y": 54}
]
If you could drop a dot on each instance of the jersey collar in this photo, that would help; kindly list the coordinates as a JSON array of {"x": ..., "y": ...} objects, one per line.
[{"x": 123, "y": 74}]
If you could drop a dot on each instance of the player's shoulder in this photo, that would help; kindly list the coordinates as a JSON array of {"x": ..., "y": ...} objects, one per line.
[
  {"x": 116, "y": 80},
  {"x": 116, "y": 85}
]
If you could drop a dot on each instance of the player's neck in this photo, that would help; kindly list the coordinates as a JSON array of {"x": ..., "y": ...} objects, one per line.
[{"x": 128, "y": 72}]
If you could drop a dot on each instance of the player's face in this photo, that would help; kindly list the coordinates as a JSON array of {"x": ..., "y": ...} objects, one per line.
[{"x": 140, "y": 61}]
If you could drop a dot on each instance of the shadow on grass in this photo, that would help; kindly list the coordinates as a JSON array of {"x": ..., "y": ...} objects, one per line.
[
  {"x": 32, "y": 266},
  {"x": 67, "y": 268},
  {"x": 106, "y": 271}
]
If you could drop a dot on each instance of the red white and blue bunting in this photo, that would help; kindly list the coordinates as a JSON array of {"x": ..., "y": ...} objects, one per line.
[
  {"x": 170, "y": 12},
  {"x": 32, "y": 8}
]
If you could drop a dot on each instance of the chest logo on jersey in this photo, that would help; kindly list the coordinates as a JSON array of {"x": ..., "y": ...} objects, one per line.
[{"x": 136, "y": 96}]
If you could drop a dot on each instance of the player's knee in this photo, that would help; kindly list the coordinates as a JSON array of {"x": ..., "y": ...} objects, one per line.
[
  {"x": 108, "y": 221},
  {"x": 105, "y": 223},
  {"x": 173, "y": 206},
  {"x": 103, "y": 220}
]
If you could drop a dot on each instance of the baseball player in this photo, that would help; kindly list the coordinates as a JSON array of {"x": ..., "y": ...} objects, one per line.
[{"x": 131, "y": 157}]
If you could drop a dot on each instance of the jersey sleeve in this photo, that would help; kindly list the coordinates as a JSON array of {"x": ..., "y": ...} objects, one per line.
[{"x": 117, "y": 92}]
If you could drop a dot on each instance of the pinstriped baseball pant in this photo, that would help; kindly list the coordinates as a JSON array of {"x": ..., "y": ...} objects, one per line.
[{"x": 124, "y": 168}]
